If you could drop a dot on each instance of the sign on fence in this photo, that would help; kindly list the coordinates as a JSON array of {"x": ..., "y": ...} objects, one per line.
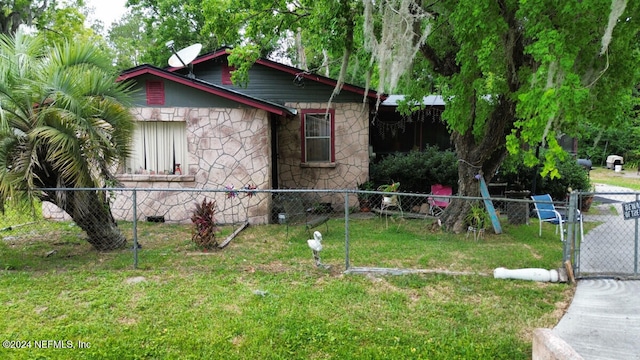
[{"x": 631, "y": 210}]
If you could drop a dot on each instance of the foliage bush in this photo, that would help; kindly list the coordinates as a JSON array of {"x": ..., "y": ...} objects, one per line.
[
  {"x": 518, "y": 176},
  {"x": 624, "y": 140},
  {"x": 417, "y": 170},
  {"x": 204, "y": 225}
]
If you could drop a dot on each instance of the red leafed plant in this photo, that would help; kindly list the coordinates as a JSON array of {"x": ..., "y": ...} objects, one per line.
[{"x": 204, "y": 225}]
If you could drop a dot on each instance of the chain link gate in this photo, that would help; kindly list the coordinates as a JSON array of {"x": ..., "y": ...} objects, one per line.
[{"x": 610, "y": 247}]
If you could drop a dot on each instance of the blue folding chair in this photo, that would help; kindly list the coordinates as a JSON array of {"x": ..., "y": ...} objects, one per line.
[{"x": 547, "y": 212}]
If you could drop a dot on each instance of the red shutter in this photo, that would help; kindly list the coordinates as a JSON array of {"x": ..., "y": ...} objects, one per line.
[
  {"x": 226, "y": 74},
  {"x": 155, "y": 93}
]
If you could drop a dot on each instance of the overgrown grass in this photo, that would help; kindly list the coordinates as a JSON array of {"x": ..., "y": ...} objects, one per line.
[
  {"x": 262, "y": 297},
  {"x": 610, "y": 177}
]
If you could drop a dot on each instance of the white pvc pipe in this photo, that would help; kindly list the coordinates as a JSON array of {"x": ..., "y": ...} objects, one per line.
[{"x": 533, "y": 274}]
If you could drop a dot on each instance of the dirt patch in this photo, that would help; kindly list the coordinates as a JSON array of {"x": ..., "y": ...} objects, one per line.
[
  {"x": 232, "y": 308},
  {"x": 135, "y": 280},
  {"x": 533, "y": 253},
  {"x": 127, "y": 321},
  {"x": 551, "y": 319},
  {"x": 202, "y": 253},
  {"x": 237, "y": 340},
  {"x": 563, "y": 306},
  {"x": 275, "y": 267},
  {"x": 382, "y": 285}
]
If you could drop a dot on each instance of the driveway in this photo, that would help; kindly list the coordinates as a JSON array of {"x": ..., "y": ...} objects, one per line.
[{"x": 603, "y": 320}]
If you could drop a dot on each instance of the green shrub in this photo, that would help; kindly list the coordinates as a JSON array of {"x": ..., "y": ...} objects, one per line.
[
  {"x": 417, "y": 170},
  {"x": 520, "y": 177},
  {"x": 573, "y": 176},
  {"x": 622, "y": 139}
]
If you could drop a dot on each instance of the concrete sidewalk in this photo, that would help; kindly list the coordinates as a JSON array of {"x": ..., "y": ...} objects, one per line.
[{"x": 603, "y": 320}]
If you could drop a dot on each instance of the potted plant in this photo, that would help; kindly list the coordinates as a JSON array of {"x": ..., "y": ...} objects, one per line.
[
  {"x": 393, "y": 187},
  {"x": 477, "y": 219},
  {"x": 389, "y": 200},
  {"x": 365, "y": 198},
  {"x": 586, "y": 200}
]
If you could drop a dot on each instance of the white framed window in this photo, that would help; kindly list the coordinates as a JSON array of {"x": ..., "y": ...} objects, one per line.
[
  {"x": 318, "y": 136},
  {"x": 159, "y": 147}
]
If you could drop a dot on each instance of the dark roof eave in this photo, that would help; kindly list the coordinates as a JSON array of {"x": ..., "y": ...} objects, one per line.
[
  {"x": 370, "y": 94},
  {"x": 209, "y": 88}
]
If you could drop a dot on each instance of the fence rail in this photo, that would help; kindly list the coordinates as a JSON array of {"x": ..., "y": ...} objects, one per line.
[{"x": 609, "y": 247}]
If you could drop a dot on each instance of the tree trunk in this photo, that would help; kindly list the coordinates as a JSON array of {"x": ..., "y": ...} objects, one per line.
[
  {"x": 478, "y": 157},
  {"x": 93, "y": 215},
  {"x": 483, "y": 154}
]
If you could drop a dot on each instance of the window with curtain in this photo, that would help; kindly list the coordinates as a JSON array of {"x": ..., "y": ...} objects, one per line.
[
  {"x": 158, "y": 147},
  {"x": 317, "y": 130}
]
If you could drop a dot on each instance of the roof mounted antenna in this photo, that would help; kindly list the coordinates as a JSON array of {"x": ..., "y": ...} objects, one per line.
[{"x": 184, "y": 57}]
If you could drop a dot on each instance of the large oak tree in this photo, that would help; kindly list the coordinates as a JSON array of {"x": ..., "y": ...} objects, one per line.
[
  {"x": 518, "y": 73},
  {"x": 182, "y": 21},
  {"x": 515, "y": 73},
  {"x": 18, "y": 12}
]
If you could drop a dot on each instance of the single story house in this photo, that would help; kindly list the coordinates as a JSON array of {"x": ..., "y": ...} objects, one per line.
[{"x": 195, "y": 129}]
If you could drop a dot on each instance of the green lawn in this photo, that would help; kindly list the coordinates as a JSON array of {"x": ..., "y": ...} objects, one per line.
[
  {"x": 262, "y": 297},
  {"x": 610, "y": 177}
]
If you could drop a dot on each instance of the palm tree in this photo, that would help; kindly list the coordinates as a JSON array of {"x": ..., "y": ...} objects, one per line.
[{"x": 64, "y": 123}]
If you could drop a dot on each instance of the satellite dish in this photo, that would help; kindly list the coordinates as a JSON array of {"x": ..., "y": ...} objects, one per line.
[{"x": 184, "y": 57}]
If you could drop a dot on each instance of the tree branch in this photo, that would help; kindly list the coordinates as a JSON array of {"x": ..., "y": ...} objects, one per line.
[{"x": 445, "y": 66}]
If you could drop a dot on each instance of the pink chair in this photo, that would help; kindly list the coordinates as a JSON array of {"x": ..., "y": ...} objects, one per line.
[{"x": 438, "y": 204}]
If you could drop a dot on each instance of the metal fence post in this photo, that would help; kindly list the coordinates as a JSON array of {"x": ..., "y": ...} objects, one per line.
[
  {"x": 571, "y": 230},
  {"x": 635, "y": 255},
  {"x": 135, "y": 230},
  {"x": 346, "y": 230}
]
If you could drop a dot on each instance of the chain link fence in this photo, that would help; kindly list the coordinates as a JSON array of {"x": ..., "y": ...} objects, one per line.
[
  {"x": 610, "y": 245},
  {"x": 152, "y": 218}
]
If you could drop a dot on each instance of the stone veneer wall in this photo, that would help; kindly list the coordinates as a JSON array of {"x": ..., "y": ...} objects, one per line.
[
  {"x": 225, "y": 147},
  {"x": 351, "y": 165}
]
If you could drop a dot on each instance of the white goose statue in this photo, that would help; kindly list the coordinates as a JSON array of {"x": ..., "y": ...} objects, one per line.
[
  {"x": 316, "y": 243},
  {"x": 316, "y": 246}
]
